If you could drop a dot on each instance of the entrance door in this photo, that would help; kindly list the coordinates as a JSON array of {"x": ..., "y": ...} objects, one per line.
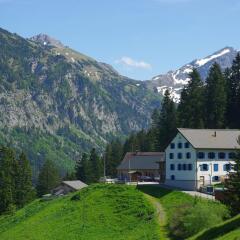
[{"x": 201, "y": 181}]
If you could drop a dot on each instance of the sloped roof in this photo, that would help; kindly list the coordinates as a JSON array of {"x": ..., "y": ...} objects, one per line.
[
  {"x": 141, "y": 160},
  {"x": 212, "y": 138},
  {"x": 77, "y": 184}
]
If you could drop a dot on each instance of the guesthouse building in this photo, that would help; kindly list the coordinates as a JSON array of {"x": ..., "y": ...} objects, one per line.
[{"x": 200, "y": 157}]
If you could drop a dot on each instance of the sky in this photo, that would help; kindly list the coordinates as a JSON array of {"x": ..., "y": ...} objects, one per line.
[{"x": 139, "y": 38}]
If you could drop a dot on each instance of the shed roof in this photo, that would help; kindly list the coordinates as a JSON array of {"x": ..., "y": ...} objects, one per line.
[
  {"x": 141, "y": 160},
  {"x": 212, "y": 138},
  {"x": 77, "y": 184}
]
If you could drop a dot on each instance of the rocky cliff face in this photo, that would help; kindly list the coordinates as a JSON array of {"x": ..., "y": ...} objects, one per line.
[{"x": 56, "y": 102}]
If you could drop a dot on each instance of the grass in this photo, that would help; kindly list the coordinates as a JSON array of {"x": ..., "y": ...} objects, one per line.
[
  {"x": 97, "y": 212},
  {"x": 186, "y": 215},
  {"x": 228, "y": 230}
]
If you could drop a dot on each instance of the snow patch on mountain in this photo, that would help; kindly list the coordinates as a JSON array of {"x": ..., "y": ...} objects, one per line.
[
  {"x": 175, "y": 81},
  {"x": 203, "y": 61}
]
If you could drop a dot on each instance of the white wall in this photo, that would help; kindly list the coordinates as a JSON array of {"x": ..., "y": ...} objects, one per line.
[
  {"x": 208, "y": 175},
  {"x": 182, "y": 174}
]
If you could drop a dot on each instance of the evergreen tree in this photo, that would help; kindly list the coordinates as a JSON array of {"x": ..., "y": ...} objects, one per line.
[
  {"x": 95, "y": 167},
  {"x": 167, "y": 122},
  {"x": 113, "y": 157},
  {"x": 7, "y": 184},
  {"x": 215, "y": 100},
  {"x": 48, "y": 178},
  {"x": 24, "y": 191},
  {"x": 233, "y": 187},
  {"x": 83, "y": 171},
  {"x": 190, "y": 109},
  {"x": 233, "y": 90}
]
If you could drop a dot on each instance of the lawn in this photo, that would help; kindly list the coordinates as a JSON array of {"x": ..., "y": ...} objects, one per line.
[{"x": 105, "y": 212}]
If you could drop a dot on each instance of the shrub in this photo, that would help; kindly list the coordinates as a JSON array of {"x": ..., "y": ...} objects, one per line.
[{"x": 192, "y": 218}]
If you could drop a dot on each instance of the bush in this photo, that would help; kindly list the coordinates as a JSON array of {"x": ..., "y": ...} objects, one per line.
[{"x": 192, "y": 218}]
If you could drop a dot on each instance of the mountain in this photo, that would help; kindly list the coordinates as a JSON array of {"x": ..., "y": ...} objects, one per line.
[
  {"x": 57, "y": 103},
  {"x": 176, "y": 80}
]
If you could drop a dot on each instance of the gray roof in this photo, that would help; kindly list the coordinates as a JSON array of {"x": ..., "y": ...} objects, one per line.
[
  {"x": 212, "y": 138},
  {"x": 141, "y": 160},
  {"x": 77, "y": 184}
]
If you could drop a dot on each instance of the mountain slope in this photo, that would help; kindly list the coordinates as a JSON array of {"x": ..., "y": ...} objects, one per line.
[
  {"x": 56, "y": 103},
  {"x": 176, "y": 80},
  {"x": 97, "y": 212}
]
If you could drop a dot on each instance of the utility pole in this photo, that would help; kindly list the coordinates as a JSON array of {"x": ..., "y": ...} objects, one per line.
[{"x": 104, "y": 165}]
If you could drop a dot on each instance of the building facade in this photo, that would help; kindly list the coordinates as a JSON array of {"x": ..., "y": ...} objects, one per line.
[
  {"x": 142, "y": 165},
  {"x": 200, "y": 157}
]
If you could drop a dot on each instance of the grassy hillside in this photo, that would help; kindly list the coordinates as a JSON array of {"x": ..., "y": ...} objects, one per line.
[
  {"x": 187, "y": 215},
  {"x": 229, "y": 230},
  {"x": 97, "y": 212}
]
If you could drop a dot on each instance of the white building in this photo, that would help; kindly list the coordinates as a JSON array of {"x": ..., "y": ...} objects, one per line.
[{"x": 199, "y": 157}]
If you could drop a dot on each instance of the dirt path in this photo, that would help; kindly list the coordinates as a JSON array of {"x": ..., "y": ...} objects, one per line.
[{"x": 161, "y": 215}]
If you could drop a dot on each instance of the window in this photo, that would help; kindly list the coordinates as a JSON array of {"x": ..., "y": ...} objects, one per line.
[
  {"x": 172, "y": 146},
  {"x": 190, "y": 167},
  {"x": 179, "y": 155},
  {"x": 201, "y": 155},
  {"x": 186, "y": 144},
  {"x": 215, "y": 167},
  {"x": 221, "y": 155},
  {"x": 227, "y": 167},
  {"x": 211, "y": 155},
  {"x": 179, "y": 145},
  {"x": 172, "y": 177},
  {"x": 172, "y": 167},
  {"x": 184, "y": 167},
  {"x": 215, "y": 178},
  {"x": 231, "y": 155},
  {"x": 188, "y": 155},
  {"x": 171, "y": 155},
  {"x": 204, "y": 167},
  {"x": 179, "y": 167}
]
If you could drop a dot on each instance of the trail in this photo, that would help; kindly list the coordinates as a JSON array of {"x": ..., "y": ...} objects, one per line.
[{"x": 161, "y": 215}]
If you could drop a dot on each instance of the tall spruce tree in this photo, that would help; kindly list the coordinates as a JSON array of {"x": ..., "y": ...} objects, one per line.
[
  {"x": 215, "y": 99},
  {"x": 83, "y": 171},
  {"x": 233, "y": 89},
  {"x": 7, "y": 183},
  {"x": 24, "y": 191},
  {"x": 190, "y": 109},
  {"x": 232, "y": 185},
  {"x": 48, "y": 178},
  {"x": 95, "y": 166},
  {"x": 167, "y": 122},
  {"x": 113, "y": 157}
]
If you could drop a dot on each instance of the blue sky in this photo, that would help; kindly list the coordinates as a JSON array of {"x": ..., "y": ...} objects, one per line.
[{"x": 140, "y": 38}]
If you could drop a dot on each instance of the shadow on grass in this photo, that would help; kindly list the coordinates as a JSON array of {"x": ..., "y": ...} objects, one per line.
[
  {"x": 154, "y": 191},
  {"x": 220, "y": 230}
]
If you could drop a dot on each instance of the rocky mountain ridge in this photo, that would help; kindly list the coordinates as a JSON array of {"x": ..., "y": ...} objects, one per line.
[
  {"x": 57, "y": 103},
  {"x": 175, "y": 81}
]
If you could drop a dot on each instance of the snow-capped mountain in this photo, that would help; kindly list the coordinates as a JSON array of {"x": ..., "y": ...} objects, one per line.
[{"x": 175, "y": 81}]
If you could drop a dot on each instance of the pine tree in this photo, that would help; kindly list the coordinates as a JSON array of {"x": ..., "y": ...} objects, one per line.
[
  {"x": 232, "y": 185},
  {"x": 83, "y": 171},
  {"x": 95, "y": 167},
  {"x": 215, "y": 102},
  {"x": 113, "y": 157},
  {"x": 167, "y": 122},
  {"x": 233, "y": 89},
  {"x": 190, "y": 109},
  {"x": 24, "y": 191},
  {"x": 48, "y": 178},
  {"x": 7, "y": 184}
]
